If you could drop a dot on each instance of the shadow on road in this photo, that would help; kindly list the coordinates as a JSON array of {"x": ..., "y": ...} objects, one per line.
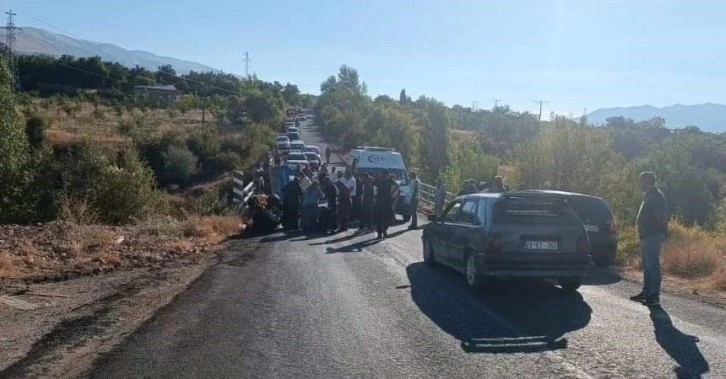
[
  {"x": 353, "y": 248},
  {"x": 288, "y": 235},
  {"x": 520, "y": 317},
  {"x": 602, "y": 276},
  {"x": 681, "y": 347}
]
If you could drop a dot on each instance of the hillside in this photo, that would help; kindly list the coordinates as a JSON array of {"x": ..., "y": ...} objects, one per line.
[
  {"x": 708, "y": 117},
  {"x": 39, "y": 41}
]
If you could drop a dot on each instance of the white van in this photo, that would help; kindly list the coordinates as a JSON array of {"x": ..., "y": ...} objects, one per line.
[{"x": 373, "y": 160}]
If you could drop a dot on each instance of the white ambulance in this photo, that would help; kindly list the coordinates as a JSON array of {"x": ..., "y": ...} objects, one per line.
[{"x": 373, "y": 160}]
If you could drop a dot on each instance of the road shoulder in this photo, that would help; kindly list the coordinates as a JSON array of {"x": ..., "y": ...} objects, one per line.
[{"x": 66, "y": 333}]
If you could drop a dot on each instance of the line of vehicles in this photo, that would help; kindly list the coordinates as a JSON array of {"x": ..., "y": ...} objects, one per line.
[{"x": 292, "y": 149}]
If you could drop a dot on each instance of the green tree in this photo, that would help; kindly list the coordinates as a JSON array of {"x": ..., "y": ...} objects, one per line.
[
  {"x": 291, "y": 94},
  {"x": 180, "y": 164},
  {"x": 35, "y": 129},
  {"x": 15, "y": 174},
  {"x": 403, "y": 99},
  {"x": 568, "y": 158}
]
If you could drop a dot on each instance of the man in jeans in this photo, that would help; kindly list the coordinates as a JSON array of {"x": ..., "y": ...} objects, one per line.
[
  {"x": 415, "y": 197},
  {"x": 652, "y": 229}
]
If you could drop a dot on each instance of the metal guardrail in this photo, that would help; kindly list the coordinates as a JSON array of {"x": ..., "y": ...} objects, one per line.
[
  {"x": 241, "y": 193},
  {"x": 428, "y": 194}
]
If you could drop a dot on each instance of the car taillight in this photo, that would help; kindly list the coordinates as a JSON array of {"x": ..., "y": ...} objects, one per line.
[
  {"x": 583, "y": 246},
  {"x": 495, "y": 244}
]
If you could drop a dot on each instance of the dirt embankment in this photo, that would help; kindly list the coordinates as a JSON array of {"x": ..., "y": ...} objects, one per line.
[{"x": 71, "y": 292}]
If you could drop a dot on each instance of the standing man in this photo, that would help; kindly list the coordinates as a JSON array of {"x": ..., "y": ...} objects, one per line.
[
  {"x": 499, "y": 186},
  {"x": 344, "y": 203},
  {"x": 652, "y": 230},
  {"x": 352, "y": 185},
  {"x": 291, "y": 204},
  {"x": 415, "y": 197},
  {"x": 384, "y": 203},
  {"x": 366, "y": 207},
  {"x": 273, "y": 173},
  {"x": 330, "y": 191},
  {"x": 439, "y": 197},
  {"x": 328, "y": 152}
]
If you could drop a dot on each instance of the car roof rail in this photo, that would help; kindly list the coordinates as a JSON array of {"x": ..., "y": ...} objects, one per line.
[{"x": 376, "y": 148}]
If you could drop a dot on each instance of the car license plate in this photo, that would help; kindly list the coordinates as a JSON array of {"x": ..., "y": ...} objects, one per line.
[
  {"x": 540, "y": 245},
  {"x": 592, "y": 228}
]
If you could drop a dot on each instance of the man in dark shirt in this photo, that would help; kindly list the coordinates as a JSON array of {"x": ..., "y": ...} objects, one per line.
[
  {"x": 652, "y": 230},
  {"x": 367, "y": 201},
  {"x": 291, "y": 204},
  {"x": 384, "y": 203}
]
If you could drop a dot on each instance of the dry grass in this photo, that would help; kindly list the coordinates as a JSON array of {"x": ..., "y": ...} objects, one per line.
[
  {"x": 718, "y": 279},
  {"x": 8, "y": 267},
  {"x": 102, "y": 124},
  {"x": 690, "y": 259},
  {"x": 691, "y": 253},
  {"x": 213, "y": 228}
]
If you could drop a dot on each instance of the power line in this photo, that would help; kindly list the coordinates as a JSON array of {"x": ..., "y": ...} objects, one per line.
[
  {"x": 10, "y": 35},
  {"x": 540, "y": 108}
]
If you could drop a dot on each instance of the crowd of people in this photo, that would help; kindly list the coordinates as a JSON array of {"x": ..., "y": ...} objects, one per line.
[{"x": 329, "y": 200}]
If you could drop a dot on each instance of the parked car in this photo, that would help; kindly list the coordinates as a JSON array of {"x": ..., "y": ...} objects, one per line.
[
  {"x": 298, "y": 145},
  {"x": 599, "y": 222},
  {"x": 311, "y": 148},
  {"x": 487, "y": 235},
  {"x": 293, "y": 136},
  {"x": 283, "y": 143},
  {"x": 314, "y": 159},
  {"x": 296, "y": 159}
]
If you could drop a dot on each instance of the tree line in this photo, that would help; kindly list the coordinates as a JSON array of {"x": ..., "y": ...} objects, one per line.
[{"x": 457, "y": 143}]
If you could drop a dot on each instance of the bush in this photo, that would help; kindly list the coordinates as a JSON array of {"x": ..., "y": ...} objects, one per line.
[
  {"x": 116, "y": 186},
  {"x": 204, "y": 144},
  {"x": 180, "y": 164},
  {"x": 35, "y": 129},
  {"x": 468, "y": 162}
]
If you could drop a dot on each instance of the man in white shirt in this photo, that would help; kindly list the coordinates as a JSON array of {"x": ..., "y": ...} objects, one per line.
[{"x": 351, "y": 184}]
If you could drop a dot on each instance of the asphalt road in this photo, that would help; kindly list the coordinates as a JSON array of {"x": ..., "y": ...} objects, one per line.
[{"x": 348, "y": 305}]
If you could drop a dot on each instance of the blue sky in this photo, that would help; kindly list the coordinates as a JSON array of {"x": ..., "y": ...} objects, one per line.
[{"x": 575, "y": 54}]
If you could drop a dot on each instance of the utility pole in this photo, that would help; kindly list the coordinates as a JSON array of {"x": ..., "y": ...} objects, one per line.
[
  {"x": 540, "y": 108},
  {"x": 496, "y": 103},
  {"x": 474, "y": 105},
  {"x": 10, "y": 35},
  {"x": 247, "y": 64}
]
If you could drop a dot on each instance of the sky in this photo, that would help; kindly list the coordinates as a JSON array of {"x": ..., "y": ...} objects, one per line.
[{"x": 576, "y": 55}]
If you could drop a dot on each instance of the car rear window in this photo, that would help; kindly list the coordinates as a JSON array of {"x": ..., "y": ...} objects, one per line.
[
  {"x": 533, "y": 211},
  {"x": 592, "y": 209},
  {"x": 296, "y": 157},
  {"x": 311, "y": 156}
]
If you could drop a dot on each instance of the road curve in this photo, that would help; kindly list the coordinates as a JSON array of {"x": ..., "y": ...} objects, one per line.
[{"x": 347, "y": 305}]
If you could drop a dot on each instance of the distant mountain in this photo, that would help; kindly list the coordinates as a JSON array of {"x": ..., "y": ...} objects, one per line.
[
  {"x": 708, "y": 117},
  {"x": 39, "y": 41}
]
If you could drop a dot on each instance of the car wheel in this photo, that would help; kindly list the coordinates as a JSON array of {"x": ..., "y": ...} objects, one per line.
[
  {"x": 473, "y": 279},
  {"x": 603, "y": 260},
  {"x": 428, "y": 253},
  {"x": 570, "y": 284}
]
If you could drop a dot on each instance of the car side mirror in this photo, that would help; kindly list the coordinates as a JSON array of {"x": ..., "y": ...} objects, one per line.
[{"x": 432, "y": 217}]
